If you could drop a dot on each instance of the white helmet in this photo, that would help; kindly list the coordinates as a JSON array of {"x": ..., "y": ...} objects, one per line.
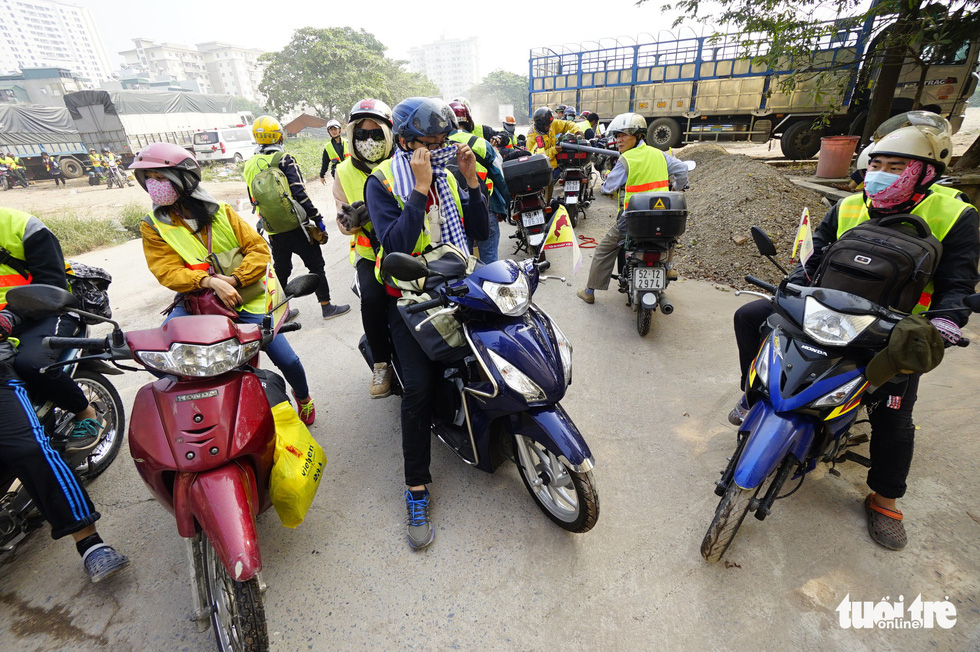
[
  {"x": 628, "y": 123},
  {"x": 333, "y": 123},
  {"x": 912, "y": 119},
  {"x": 864, "y": 158},
  {"x": 920, "y": 142}
]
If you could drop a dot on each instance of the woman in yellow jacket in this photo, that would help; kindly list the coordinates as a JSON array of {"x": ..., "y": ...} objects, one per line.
[{"x": 187, "y": 223}]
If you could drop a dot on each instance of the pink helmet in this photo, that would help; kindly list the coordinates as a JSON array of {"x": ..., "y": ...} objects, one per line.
[{"x": 165, "y": 157}]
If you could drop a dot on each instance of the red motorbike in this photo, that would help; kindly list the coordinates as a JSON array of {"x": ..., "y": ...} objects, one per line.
[{"x": 203, "y": 444}]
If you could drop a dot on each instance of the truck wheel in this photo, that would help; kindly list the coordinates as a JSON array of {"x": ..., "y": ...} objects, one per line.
[
  {"x": 71, "y": 168},
  {"x": 800, "y": 140},
  {"x": 664, "y": 133}
]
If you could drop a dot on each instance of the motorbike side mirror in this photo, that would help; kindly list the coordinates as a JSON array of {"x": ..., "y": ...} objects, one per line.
[
  {"x": 762, "y": 242},
  {"x": 302, "y": 286},
  {"x": 972, "y": 302},
  {"x": 37, "y": 301},
  {"x": 403, "y": 267}
]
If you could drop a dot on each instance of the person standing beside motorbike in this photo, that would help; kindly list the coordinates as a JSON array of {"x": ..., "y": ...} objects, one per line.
[
  {"x": 543, "y": 139},
  {"x": 902, "y": 169},
  {"x": 268, "y": 134},
  {"x": 640, "y": 168},
  {"x": 369, "y": 130},
  {"x": 186, "y": 229},
  {"x": 413, "y": 202},
  {"x": 53, "y": 169},
  {"x": 335, "y": 151}
]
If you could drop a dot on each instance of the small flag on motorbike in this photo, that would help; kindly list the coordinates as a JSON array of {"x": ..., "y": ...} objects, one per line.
[
  {"x": 804, "y": 239},
  {"x": 560, "y": 234}
]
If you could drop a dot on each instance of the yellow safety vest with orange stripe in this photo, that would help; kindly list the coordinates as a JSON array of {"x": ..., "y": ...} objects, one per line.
[
  {"x": 195, "y": 253},
  {"x": 939, "y": 211},
  {"x": 352, "y": 181},
  {"x": 13, "y": 225},
  {"x": 386, "y": 176},
  {"x": 332, "y": 152},
  {"x": 481, "y": 148},
  {"x": 646, "y": 171}
]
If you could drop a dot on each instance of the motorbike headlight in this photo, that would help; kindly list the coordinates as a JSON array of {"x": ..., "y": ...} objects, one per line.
[
  {"x": 564, "y": 350},
  {"x": 839, "y": 395},
  {"x": 762, "y": 363},
  {"x": 510, "y": 298},
  {"x": 201, "y": 360},
  {"x": 516, "y": 379},
  {"x": 831, "y": 327}
]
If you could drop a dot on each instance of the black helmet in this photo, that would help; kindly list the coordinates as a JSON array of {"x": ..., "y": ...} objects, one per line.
[{"x": 542, "y": 119}]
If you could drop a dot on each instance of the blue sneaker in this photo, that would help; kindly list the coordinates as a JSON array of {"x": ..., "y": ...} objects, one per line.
[
  {"x": 102, "y": 561},
  {"x": 420, "y": 530},
  {"x": 84, "y": 435}
]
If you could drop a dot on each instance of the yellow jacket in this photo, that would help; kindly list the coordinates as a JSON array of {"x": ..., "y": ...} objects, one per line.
[
  {"x": 548, "y": 140},
  {"x": 169, "y": 269}
]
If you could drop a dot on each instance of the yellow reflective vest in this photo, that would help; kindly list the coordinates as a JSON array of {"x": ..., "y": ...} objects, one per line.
[
  {"x": 352, "y": 181},
  {"x": 481, "y": 148},
  {"x": 13, "y": 224},
  {"x": 332, "y": 152},
  {"x": 646, "y": 171}
]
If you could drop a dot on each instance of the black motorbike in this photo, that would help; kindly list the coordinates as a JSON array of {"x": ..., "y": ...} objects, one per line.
[
  {"x": 19, "y": 515},
  {"x": 574, "y": 185},
  {"x": 527, "y": 177}
]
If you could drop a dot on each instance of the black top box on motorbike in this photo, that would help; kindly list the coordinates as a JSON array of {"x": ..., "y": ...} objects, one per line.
[
  {"x": 571, "y": 159},
  {"x": 527, "y": 174},
  {"x": 656, "y": 215}
]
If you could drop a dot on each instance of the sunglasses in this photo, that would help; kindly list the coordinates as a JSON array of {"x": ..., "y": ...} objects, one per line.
[{"x": 369, "y": 134}]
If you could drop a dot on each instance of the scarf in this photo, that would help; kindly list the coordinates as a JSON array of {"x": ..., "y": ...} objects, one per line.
[
  {"x": 915, "y": 176},
  {"x": 404, "y": 183}
]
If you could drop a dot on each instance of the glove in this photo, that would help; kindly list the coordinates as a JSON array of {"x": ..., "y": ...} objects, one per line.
[
  {"x": 353, "y": 216},
  {"x": 7, "y": 323},
  {"x": 950, "y": 332}
]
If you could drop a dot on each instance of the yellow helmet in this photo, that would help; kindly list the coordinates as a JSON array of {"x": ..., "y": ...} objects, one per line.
[{"x": 266, "y": 130}]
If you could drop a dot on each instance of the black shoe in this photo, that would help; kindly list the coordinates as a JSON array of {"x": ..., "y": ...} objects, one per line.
[
  {"x": 292, "y": 314},
  {"x": 332, "y": 310}
]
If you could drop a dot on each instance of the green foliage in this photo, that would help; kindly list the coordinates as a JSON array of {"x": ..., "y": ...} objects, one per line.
[
  {"x": 223, "y": 172},
  {"x": 327, "y": 70},
  {"x": 79, "y": 235},
  {"x": 308, "y": 153},
  {"x": 130, "y": 217},
  {"x": 502, "y": 87},
  {"x": 241, "y": 104}
]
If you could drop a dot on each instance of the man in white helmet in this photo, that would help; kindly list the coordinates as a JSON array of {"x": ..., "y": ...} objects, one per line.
[
  {"x": 640, "y": 168},
  {"x": 335, "y": 151},
  {"x": 902, "y": 170}
]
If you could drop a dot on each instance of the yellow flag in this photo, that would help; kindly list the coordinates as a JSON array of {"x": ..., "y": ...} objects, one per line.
[
  {"x": 804, "y": 239},
  {"x": 273, "y": 296},
  {"x": 561, "y": 234}
]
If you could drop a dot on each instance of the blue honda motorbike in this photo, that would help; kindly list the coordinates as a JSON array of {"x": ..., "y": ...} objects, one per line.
[
  {"x": 498, "y": 396},
  {"x": 804, "y": 389}
]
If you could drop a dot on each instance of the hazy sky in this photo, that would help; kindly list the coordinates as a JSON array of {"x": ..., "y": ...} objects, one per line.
[{"x": 507, "y": 29}]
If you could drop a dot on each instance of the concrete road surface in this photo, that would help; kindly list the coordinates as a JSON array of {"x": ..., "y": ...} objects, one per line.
[{"x": 500, "y": 575}]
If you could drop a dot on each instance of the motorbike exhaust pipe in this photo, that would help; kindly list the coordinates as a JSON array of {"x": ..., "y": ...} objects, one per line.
[{"x": 666, "y": 306}]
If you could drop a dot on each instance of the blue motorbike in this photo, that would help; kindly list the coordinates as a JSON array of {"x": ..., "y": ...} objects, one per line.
[
  {"x": 804, "y": 389},
  {"x": 499, "y": 394}
]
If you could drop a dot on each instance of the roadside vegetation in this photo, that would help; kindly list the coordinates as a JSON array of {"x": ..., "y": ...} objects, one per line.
[
  {"x": 78, "y": 235},
  {"x": 306, "y": 151}
]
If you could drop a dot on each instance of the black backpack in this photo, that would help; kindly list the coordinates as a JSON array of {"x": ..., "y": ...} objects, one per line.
[{"x": 883, "y": 260}]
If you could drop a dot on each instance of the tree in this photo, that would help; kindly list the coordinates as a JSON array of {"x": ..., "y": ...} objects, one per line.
[
  {"x": 325, "y": 70},
  {"x": 256, "y": 109},
  {"x": 782, "y": 34},
  {"x": 402, "y": 84},
  {"x": 502, "y": 87}
]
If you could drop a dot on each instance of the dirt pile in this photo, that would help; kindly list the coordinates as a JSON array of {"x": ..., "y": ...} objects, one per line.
[{"x": 729, "y": 194}]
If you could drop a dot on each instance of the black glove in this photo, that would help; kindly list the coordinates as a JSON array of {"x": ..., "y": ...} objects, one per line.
[
  {"x": 7, "y": 322},
  {"x": 354, "y": 215}
]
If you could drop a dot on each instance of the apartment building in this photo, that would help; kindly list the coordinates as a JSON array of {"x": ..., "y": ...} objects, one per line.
[
  {"x": 233, "y": 70},
  {"x": 169, "y": 62},
  {"x": 451, "y": 64}
]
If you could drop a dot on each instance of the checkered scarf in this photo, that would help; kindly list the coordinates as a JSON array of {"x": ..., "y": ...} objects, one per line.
[{"x": 452, "y": 221}]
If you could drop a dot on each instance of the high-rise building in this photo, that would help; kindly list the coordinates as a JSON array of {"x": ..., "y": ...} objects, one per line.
[
  {"x": 47, "y": 34},
  {"x": 169, "y": 62},
  {"x": 450, "y": 64},
  {"x": 233, "y": 70}
]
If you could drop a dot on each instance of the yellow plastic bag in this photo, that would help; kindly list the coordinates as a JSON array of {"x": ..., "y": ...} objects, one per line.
[{"x": 297, "y": 466}]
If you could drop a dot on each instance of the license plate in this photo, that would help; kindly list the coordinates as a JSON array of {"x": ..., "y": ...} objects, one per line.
[
  {"x": 649, "y": 278},
  {"x": 533, "y": 218},
  {"x": 572, "y": 186}
]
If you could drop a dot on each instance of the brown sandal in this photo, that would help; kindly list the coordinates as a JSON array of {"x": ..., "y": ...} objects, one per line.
[{"x": 885, "y": 525}]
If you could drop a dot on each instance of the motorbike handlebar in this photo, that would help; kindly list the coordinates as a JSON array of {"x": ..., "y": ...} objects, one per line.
[
  {"x": 87, "y": 343},
  {"x": 963, "y": 341},
  {"x": 543, "y": 265},
  {"x": 425, "y": 305},
  {"x": 290, "y": 327},
  {"x": 768, "y": 287}
]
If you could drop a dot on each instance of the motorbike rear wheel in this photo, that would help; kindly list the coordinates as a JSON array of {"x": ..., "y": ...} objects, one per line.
[
  {"x": 643, "y": 318},
  {"x": 567, "y": 497},
  {"x": 729, "y": 514},
  {"x": 237, "y": 612},
  {"x": 102, "y": 395}
]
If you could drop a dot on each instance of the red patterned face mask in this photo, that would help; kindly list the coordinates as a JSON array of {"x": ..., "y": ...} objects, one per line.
[{"x": 903, "y": 190}]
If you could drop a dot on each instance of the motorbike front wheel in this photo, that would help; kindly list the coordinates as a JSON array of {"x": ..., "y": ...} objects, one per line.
[
  {"x": 237, "y": 612},
  {"x": 101, "y": 395},
  {"x": 729, "y": 514},
  {"x": 567, "y": 497}
]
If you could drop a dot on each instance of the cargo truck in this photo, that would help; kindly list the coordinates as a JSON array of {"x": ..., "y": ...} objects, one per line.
[
  {"x": 708, "y": 88},
  {"x": 27, "y": 130}
]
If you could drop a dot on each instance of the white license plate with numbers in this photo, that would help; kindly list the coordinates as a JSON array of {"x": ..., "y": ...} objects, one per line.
[
  {"x": 572, "y": 186},
  {"x": 649, "y": 278},
  {"x": 533, "y": 218}
]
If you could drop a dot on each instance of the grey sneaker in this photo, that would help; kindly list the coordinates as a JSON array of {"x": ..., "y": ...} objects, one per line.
[
  {"x": 420, "y": 530},
  {"x": 102, "y": 561},
  {"x": 332, "y": 310},
  {"x": 739, "y": 412},
  {"x": 85, "y": 434}
]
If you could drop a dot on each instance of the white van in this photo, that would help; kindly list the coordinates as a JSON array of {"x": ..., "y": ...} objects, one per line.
[{"x": 224, "y": 144}]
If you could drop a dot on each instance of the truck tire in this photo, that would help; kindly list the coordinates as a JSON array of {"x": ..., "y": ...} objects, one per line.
[
  {"x": 800, "y": 140},
  {"x": 71, "y": 168},
  {"x": 664, "y": 133}
]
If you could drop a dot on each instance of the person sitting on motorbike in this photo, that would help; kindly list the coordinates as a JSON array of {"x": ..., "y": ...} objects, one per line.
[
  {"x": 640, "y": 168},
  {"x": 510, "y": 127},
  {"x": 543, "y": 139},
  {"x": 16, "y": 169},
  {"x": 98, "y": 165},
  {"x": 369, "y": 132},
  {"x": 33, "y": 255},
  {"x": 901, "y": 172},
  {"x": 185, "y": 225},
  {"x": 466, "y": 122},
  {"x": 414, "y": 202},
  {"x": 569, "y": 114},
  {"x": 585, "y": 124},
  {"x": 336, "y": 150}
]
